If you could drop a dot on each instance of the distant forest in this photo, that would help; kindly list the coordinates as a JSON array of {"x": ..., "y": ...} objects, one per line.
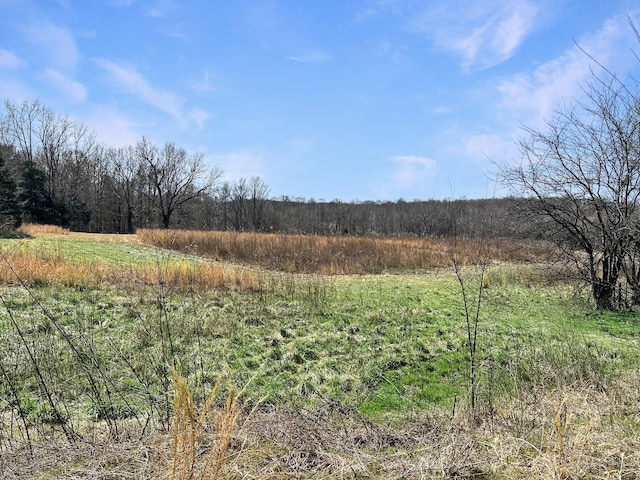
[{"x": 54, "y": 171}]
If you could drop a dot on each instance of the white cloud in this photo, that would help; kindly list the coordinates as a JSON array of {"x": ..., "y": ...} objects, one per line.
[
  {"x": 73, "y": 89},
  {"x": 208, "y": 82},
  {"x": 441, "y": 110},
  {"x": 204, "y": 84},
  {"x": 395, "y": 52},
  {"x": 484, "y": 33},
  {"x": 410, "y": 170},
  {"x": 311, "y": 57},
  {"x": 111, "y": 127},
  {"x": 15, "y": 90},
  {"x": 483, "y": 148},
  {"x": 241, "y": 164},
  {"x": 65, "y": 4},
  {"x": 58, "y": 43},
  {"x": 130, "y": 80},
  {"x": 533, "y": 97},
  {"x": 10, "y": 60}
]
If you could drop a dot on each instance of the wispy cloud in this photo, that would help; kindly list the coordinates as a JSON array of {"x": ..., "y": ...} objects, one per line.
[
  {"x": 374, "y": 8},
  {"x": 535, "y": 96},
  {"x": 482, "y": 34},
  {"x": 410, "y": 170},
  {"x": 396, "y": 52},
  {"x": 71, "y": 88},
  {"x": 129, "y": 79},
  {"x": 311, "y": 57},
  {"x": 120, "y": 3},
  {"x": 487, "y": 148},
  {"x": 110, "y": 126},
  {"x": 10, "y": 60},
  {"x": 204, "y": 84},
  {"x": 240, "y": 164},
  {"x": 199, "y": 117},
  {"x": 65, "y": 4},
  {"x": 15, "y": 90},
  {"x": 57, "y": 43},
  {"x": 162, "y": 9}
]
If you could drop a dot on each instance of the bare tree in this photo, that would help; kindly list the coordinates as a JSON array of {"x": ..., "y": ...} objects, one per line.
[
  {"x": 128, "y": 177},
  {"x": 224, "y": 198},
  {"x": 64, "y": 150},
  {"x": 259, "y": 191},
  {"x": 40, "y": 135},
  {"x": 582, "y": 176},
  {"x": 175, "y": 177},
  {"x": 238, "y": 205},
  {"x": 18, "y": 128}
]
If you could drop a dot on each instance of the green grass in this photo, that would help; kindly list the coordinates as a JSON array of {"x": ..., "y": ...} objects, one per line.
[
  {"x": 383, "y": 344},
  {"x": 88, "y": 250},
  {"x": 392, "y": 347}
]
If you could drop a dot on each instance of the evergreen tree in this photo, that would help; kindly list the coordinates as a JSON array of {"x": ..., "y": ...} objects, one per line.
[
  {"x": 37, "y": 204},
  {"x": 9, "y": 206}
]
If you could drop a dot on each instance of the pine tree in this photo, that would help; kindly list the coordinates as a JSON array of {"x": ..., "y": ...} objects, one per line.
[
  {"x": 10, "y": 217},
  {"x": 35, "y": 201}
]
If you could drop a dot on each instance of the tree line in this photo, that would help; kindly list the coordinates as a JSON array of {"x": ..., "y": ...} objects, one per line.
[{"x": 54, "y": 170}]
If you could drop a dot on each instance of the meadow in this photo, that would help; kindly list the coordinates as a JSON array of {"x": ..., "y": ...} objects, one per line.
[{"x": 173, "y": 354}]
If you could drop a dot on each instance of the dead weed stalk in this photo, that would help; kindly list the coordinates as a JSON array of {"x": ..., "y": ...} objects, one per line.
[{"x": 192, "y": 457}]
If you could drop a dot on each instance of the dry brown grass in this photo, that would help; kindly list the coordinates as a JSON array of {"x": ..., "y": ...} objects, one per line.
[
  {"x": 40, "y": 268},
  {"x": 574, "y": 433},
  {"x": 255, "y": 256},
  {"x": 334, "y": 255},
  {"x": 34, "y": 229}
]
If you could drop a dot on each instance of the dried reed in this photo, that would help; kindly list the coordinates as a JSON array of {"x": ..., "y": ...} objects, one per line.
[{"x": 190, "y": 430}]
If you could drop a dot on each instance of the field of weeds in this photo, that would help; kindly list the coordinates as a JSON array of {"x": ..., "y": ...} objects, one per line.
[
  {"x": 337, "y": 255},
  {"x": 123, "y": 358}
]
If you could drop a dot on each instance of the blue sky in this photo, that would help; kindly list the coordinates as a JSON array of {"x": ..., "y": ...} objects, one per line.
[{"x": 324, "y": 99}]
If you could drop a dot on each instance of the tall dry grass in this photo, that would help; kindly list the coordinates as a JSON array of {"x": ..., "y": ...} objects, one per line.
[
  {"x": 334, "y": 255},
  {"x": 34, "y": 229},
  {"x": 195, "y": 456},
  {"x": 40, "y": 268},
  {"x": 572, "y": 433}
]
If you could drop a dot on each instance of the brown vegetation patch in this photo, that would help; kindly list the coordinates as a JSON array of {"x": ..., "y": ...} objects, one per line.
[
  {"x": 34, "y": 268},
  {"x": 34, "y": 229},
  {"x": 561, "y": 434},
  {"x": 338, "y": 255}
]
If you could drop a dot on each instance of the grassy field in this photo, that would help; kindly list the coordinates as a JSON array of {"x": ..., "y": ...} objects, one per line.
[{"x": 111, "y": 347}]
